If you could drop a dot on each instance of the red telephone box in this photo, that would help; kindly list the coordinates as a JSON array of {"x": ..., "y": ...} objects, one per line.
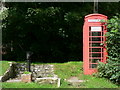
[{"x": 93, "y": 37}]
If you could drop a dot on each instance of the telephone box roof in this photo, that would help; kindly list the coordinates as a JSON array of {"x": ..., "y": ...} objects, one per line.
[{"x": 96, "y": 14}]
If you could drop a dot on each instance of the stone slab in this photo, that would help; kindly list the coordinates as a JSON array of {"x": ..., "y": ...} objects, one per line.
[
  {"x": 75, "y": 81},
  {"x": 13, "y": 80},
  {"x": 50, "y": 80}
]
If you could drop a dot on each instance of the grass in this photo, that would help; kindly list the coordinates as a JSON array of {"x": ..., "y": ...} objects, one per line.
[
  {"x": 26, "y": 72},
  {"x": 65, "y": 71},
  {"x": 70, "y": 69},
  {"x": 94, "y": 82},
  {"x": 26, "y": 85},
  {"x": 4, "y": 66}
]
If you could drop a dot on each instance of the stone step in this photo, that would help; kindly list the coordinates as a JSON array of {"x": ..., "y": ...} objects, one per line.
[
  {"x": 49, "y": 80},
  {"x": 14, "y": 80},
  {"x": 74, "y": 81}
]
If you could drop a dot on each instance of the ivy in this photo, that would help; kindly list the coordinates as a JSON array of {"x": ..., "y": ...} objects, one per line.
[{"x": 111, "y": 70}]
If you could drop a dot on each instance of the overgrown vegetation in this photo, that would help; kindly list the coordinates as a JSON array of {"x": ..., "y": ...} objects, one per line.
[
  {"x": 65, "y": 71},
  {"x": 111, "y": 70}
]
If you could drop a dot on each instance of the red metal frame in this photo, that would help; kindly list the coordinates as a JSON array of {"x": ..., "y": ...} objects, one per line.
[{"x": 91, "y": 53}]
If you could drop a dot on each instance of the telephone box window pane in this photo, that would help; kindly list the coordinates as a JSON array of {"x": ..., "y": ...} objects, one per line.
[
  {"x": 96, "y": 28},
  {"x": 96, "y": 49},
  {"x": 90, "y": 49},
  {"x": 96, "y": 34},
  {"x": 96, "y": 39},
  {"x": 94, "y": 60},
  {"x": 93, "y": 65},
  {"x": 95, "y": 44},
  {"x": 95, "y": 54}
]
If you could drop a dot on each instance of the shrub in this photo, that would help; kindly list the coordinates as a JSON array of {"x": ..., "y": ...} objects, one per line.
[{"x": 111, "y": 70}]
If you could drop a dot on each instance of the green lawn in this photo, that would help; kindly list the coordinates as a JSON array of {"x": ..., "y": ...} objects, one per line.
[
  {"x": 3, "y": 67},
  {"x": 26, "y": 85},
  {"x": 65, "y": 71}
]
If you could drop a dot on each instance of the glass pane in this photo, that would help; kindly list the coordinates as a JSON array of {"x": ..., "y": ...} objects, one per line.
[
  {"x": 93, "y": 65},
  {"x": 96, "y": 39},
  {"x": 90, "y": 49},
  {"x": 95, "y": 34},
  {"x": 94, "y": 60},
  {"x": 95, "y": 54},
  {"x": 95, "y": 44},
  {"x": 95, "y": 50}
]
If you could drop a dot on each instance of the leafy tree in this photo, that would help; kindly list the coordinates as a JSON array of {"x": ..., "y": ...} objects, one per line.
[
  {"x": 52, "y": 31},
  {"x": 42, "y": 30}
]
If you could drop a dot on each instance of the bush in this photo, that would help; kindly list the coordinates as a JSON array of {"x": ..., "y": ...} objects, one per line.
[{"x": 111, "y": 70}]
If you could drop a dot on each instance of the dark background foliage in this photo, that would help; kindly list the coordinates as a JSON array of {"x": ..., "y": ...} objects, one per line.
[{"x": 52, "y": 31}]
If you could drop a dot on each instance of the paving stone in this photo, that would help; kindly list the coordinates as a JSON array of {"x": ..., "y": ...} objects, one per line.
[
  {"x": 14, "y": 80},
  {"x": 49, "y": 80},
  {"x": 74, "y": 81}
]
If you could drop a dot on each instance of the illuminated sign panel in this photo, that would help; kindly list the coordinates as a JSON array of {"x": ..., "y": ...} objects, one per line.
[
  {"x": 94, "y": 20},
  {"x": 96, "y": 28}
]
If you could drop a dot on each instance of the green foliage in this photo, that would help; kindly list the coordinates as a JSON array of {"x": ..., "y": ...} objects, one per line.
[
  {"x": 52, "y": 31},
  {"x": 3, "y": 13},
  {"x": 111, "y": 70},
  {"x": 26, "y": 72},
  {"x": 48, "y": 30}
]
